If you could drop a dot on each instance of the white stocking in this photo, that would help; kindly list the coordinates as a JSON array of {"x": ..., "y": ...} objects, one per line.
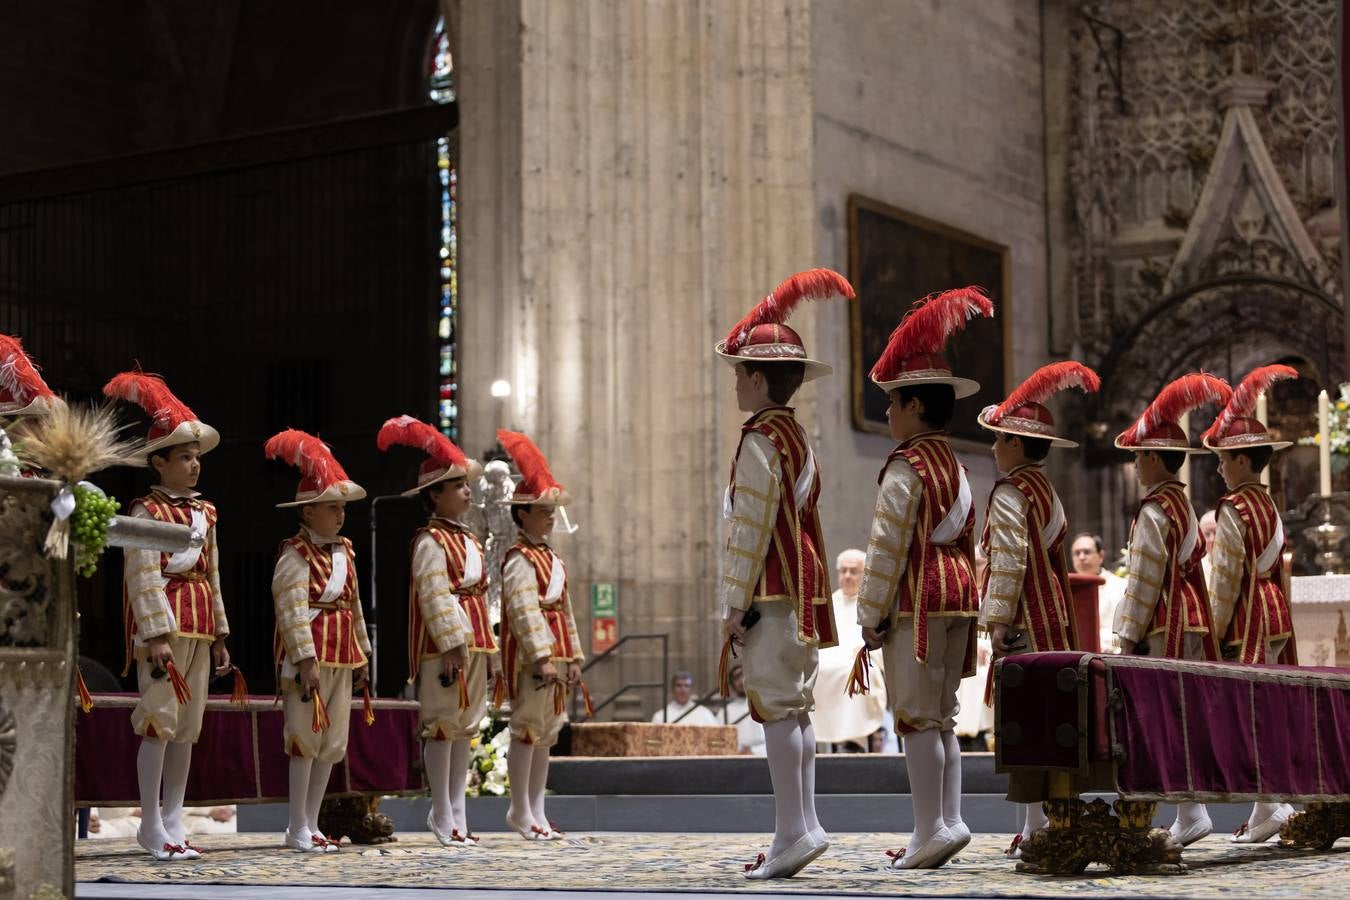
[
  {"x": 1261, "y": 812},
  {"x": 437, "y": 756},
  {"x": 299, "y": 794},
  {"x": 808, "y": 772},
  {"x": 925, "y": 760},
  {"x": 318, "y": 786},
  {"x": 1036, "y": 819},
  {"x": 518, "y": 758},
  {"x": 149, "y": 770},
  {"x": 177, "y": 761},
  {"x": 459, "y": 781},
  {"x": 783, "y": 747},
  {"x": 538, "y": 784},
  {"x": 951, "y": 779},
  {"x": 1188, "y": 814}
]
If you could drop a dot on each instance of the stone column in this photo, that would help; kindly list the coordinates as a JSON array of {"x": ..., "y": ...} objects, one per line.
[{"x": 634, "y": 177}]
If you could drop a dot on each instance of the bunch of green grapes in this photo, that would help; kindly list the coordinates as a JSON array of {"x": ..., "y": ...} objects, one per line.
[{"x": 89, "y": 527}]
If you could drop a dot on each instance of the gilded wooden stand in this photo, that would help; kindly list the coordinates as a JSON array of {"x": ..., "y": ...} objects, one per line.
[
  {"x": 356, "y": 818},
  {"x": 1083, "y": 833},
  {"x": 1317, "y": 827}
]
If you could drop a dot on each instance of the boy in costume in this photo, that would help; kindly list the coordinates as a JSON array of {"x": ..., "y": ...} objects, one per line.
[
  {"x": 173, "y": 613},
  {"x": 451, "y": 652},
  {"x": 774, "y": 569},
  {"x": 1026, "y": 604},
  {"x": 918, "y": 599},
  {"x": 321, "y": 642},
  {"x": 1247, "y": 595},
  {"x": 541, "y": 651},
  {"x": 1165, "y": 609}
]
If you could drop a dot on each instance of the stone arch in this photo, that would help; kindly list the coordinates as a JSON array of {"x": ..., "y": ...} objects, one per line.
[{"x": 1228, "y": 325}]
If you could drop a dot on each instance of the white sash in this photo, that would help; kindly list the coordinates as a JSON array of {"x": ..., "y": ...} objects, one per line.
[
  {"x": 337, "y": 579},
  {"x": 806, "y": 480},
  {"x": 1192, "y": 535},
  {"x": 949, "y": 529},
  {"x": 1054, "y": 525},
  {"x": 557, "y": 578},
  {"x": 1272, "y": 551},
  {"x": 473, "y": 563},
  {"x": 184, "y": 560}
]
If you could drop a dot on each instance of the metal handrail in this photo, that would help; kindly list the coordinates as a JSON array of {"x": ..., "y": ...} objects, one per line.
[
  {"x": 703, "y": 701},
  {"x": 627, "y": 686}
]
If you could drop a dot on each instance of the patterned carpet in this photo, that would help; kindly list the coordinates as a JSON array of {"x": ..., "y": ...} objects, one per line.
[{"x": 705, "y": 863}]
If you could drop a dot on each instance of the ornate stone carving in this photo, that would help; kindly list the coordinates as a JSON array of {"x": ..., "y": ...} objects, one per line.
[
  {"x": 1083, "y": 833},
  {"x": 26, "y": 617},
  {"x": 1137, "y": 174},
  {"x": 9, "y": 742}
]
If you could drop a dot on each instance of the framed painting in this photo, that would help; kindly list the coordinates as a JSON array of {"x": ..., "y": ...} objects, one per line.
[{"x": 896, "y": 257}]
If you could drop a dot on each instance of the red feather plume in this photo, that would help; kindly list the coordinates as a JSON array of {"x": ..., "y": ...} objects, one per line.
[
  {"x": 929, "y": 324},
  {"x": 1243, "y": 403},
  {"x": 813, "y": 284},
  {"x": 151, "y": 394},
  {"x": 1046, "y": 381},
  {"x": 410, "y": 432},
  {"x": 306, "y": 452},
  {"x": 18, "y": 375},
  {"x": 529, "y": 460},
  {"x": 1181, "y": 396}
]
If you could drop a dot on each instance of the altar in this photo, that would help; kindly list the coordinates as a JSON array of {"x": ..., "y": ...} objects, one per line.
[{"x": 1319, "y": 604}]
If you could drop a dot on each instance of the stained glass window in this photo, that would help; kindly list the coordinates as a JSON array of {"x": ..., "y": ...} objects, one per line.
[{"x": 440, "y": 66}]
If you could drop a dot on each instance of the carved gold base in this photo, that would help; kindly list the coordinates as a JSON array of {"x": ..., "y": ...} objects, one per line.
[
  {"x": 1083, "y": 833},
  {"x": 1317, "y": 827},
  {"x": 357, "y": 818}
]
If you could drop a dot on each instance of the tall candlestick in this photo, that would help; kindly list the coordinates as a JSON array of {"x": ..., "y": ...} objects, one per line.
[
  {"x": 1324, "y": 441},
  {"x": 1263, "y": 416},
  {"x": 1184, "y": 473}
]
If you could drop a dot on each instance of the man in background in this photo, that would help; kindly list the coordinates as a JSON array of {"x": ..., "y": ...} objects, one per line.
[
  {"x": 842, "y": 722},
  {"x": 682, "y": 704},
  {"x": 1089, "y": 558}
]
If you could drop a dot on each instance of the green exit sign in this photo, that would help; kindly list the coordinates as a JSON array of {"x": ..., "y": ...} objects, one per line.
[{"x": 604, "y": 600}]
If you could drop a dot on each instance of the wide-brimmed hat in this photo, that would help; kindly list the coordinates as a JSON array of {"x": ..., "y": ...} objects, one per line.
[
  {"x": 22, "y": 390},
  {"x": 172, "y": 422},
  {"x": 763, "y": 335},
  {"x": 1237, "y": 427},
  {"x": 444, "y": 460},
  {"x": 1159, "y": 428},
  {"x": 913, "y": 354},
  {"x": 1024, "y": 412},
  {"x": 537, "y": 486},
  {"x": 323, "y": 478}
]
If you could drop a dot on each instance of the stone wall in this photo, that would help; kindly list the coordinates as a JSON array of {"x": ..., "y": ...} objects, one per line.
[
  {"x": 634, "y": 177},
  {"x": 934, "y": 108}
]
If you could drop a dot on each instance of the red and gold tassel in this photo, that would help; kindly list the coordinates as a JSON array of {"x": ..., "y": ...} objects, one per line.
[
  {"x": 559, "y": 698},
  {"x": 320, "y": 722},
  {"x": 86, "y": 698},
  {"x": 499, "y": 692},
  {"x": 586, "y": 696},
  {"x": 239, "y": 695},
  {"x": 463, "y": 691},
  {"x": 724, "y": 668},
  {"x": 860, "y": 679},
  {"x": 180, "y": 686},
  {"x": 368, "y": 706}
]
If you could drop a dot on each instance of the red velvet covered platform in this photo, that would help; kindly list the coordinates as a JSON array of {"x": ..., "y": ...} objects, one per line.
[{"x": 244, "y": 748}]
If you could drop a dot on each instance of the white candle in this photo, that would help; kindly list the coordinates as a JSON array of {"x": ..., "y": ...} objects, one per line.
[
  {"x": 1324, "y": 440},
  {"x": 1184, "y": 473},
  {"x": 1263, "y": 416}
]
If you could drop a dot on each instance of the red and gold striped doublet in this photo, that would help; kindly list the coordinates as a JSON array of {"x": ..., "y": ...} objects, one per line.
[
  {"x": 333, "y": 629},
  {"x": 794, "y": 568},
  {"x": 1262, "y": 613}
]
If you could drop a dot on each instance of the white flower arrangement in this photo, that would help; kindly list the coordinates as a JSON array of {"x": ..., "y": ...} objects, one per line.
[
  {"x": 487, "y": 759},
  {"x": 1339, "y": 421}
]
